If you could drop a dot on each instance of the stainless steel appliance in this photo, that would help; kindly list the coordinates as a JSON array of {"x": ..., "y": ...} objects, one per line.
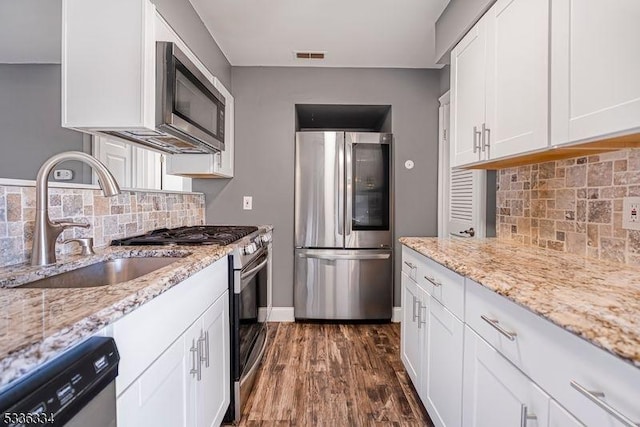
[
  {"x": 189, "y": 109},
  {"x": 76, "y": 389},
  {"x": 249, "y": 330},
  {"x": 343, "y": 218},
  {"x": 248, "y": 294}
]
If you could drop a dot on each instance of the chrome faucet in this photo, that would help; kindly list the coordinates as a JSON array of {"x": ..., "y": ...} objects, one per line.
[{"x": 47, "y": 231}]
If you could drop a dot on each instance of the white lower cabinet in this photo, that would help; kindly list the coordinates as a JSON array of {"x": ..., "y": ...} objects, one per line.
[
  {"x": 442, "y": 382},
  {"x": 160, "y": 395},
  {"x": 559, "y": 417},
  {"x": 213, "y": 391},
  {"x": 497, "y": 394},
  {"x": 175, "y": 360},
  {"x": 188, "y": 385},
  {"x": 411, "y": 341},
  {"x": 500, "y": 365},
  {"x": 431, "y": 342}
]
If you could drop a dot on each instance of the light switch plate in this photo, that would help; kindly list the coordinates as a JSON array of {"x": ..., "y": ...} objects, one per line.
[
  {"x": 247, "y": 203},
  {"x": 631, "y": 213}
]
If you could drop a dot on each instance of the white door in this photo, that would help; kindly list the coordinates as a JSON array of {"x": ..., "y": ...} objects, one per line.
[
  {"x": 148, "y": 169},
  {"x": 410, "y": 334},
  {"x": 468, "y": 95},
  {"x": 461, "y": 192},
  {"x": 559, "y": 417},
  {"x": 495, "y": 393},
  {"x": 213, "y": 392},
  {"x": 442, "y": 380},
  {"x": 517, "y": 77},
  {"x": 117, "y": 156},
  {"x": 595, "y": 68},
  {"x": 159, "y": 397}
]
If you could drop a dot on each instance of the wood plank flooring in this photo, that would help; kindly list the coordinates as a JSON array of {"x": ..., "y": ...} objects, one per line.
[{"x": 333, "y": 375}]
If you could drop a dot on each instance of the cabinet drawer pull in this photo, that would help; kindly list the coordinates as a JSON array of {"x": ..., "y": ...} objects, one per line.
[
  {"x": 476, "y": 139},
  {"x": 433, "y": 281},
  {"x": 203, "y": 348},
  {"x": 410, "y": 265},
  {"x": 420, "y": 321},
  {"x": 496, "y": 325},
  {"x": 525, "y": 416},
  {"x": 195, "y": 362},
  {"x": 486, "y": 137},
  {"x": 596, "y": 397},
  {"x": 415, "y": 316}
]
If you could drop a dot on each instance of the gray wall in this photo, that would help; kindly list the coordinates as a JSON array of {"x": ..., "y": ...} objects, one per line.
[
  {"x": 264, "y": 150},
  {"x": 445, "y": 79},
  {"x": 30, "y": 130},
  {"x": 30, "y": 94},
  {"x": 456, "y": 19}
]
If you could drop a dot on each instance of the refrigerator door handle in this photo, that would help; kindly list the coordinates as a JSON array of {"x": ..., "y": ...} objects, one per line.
[
  {"x": 341, "y": 192},
  {"x": 335, "y": 257},
  {"x": 348, "y": 176}
]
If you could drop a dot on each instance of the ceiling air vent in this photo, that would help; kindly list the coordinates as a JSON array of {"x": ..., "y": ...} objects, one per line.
[{"x": 310, "y": 55}]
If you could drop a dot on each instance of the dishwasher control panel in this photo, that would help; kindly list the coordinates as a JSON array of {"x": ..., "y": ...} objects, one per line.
[{"x": 55, "y": 392}]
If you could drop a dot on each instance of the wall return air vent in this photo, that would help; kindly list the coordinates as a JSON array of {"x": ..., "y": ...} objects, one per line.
[{"x": 309, "y": 55}]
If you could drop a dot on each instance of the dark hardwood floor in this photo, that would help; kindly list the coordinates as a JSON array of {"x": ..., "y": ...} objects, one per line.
[{"x": 333, "y": 375}]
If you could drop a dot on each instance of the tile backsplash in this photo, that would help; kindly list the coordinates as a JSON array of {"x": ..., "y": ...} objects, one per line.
[
  {"x": 572, "y": 205},
  {"x": 127, "y": 214}
]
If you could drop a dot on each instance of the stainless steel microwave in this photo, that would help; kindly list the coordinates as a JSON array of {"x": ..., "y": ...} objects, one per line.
[{"x": 190, "y": 111}]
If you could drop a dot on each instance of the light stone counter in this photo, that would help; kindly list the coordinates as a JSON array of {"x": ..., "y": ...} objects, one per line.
[
  {"x": 596, "y": 300},
  {"x": 38, "y": 324}
]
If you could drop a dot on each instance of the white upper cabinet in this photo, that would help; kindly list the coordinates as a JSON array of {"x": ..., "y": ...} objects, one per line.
[
  {"x": 595, "y": 69},
  {"x": 467, "y": 110},
  {"x": 500, "y": 84},
  {"x": 517, "y": 69},
  {"x": 108, "y": 64}
]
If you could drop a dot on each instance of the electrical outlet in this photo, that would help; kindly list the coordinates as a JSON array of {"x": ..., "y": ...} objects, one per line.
[
  {"x": 62, "y": 174},
  {"x": 247, "y": 203},
  {"x": 631, "y": 213}
]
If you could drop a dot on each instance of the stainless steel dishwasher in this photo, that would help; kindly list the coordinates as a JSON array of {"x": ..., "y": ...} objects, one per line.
[{"x": 76, "y": 389}]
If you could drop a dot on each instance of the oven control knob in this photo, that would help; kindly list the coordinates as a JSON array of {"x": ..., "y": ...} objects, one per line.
[
  {"x": 266, "y": 238},
  {"x": 249, "y": 249}
]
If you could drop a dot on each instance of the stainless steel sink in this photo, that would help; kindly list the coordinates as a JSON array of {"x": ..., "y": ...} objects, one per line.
[{"x": 104, "y": 273}]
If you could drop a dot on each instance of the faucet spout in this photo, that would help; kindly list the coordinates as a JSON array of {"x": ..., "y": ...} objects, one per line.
[{"x": 47, "y": 231}]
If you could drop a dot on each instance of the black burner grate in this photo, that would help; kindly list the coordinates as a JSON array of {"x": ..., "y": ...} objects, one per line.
[{"x": 196, "y": 235}]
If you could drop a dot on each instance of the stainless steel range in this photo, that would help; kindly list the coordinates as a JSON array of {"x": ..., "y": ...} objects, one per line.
[{"x": 248, "y": 294}]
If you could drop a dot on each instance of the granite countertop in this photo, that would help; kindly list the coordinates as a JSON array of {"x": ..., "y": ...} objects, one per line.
[
  {"x": 596, "y": 300},
  {"x": 38, "y": 324}
]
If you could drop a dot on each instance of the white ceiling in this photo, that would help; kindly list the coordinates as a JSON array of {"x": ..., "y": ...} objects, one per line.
[{"x": 353, "y": 33}]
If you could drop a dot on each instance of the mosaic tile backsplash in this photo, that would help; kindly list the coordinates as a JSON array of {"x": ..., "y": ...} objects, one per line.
[
  {"x": 127, "y": 214},
  {"x": 572, "y": 205}
]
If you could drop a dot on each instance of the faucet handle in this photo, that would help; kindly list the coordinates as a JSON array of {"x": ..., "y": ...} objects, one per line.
[
  {"x": 66, "y": 224},
  {"x": 86, "y": 243}
]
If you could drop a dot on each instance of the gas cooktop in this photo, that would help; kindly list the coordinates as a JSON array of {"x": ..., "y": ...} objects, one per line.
[{"x": 196, "y": 235}]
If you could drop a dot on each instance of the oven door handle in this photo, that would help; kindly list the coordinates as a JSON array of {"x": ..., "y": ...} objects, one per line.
[{"x": 254, "y": 269}]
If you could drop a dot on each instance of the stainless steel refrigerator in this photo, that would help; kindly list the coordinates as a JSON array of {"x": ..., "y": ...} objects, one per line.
[{"x": 343, "y": 226}]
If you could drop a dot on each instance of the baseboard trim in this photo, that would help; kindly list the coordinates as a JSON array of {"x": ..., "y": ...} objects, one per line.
[
  {"x": 278, "y": 314},
  {"x": 285, "y": 314},
  {"x": 397, "y": 314}
]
